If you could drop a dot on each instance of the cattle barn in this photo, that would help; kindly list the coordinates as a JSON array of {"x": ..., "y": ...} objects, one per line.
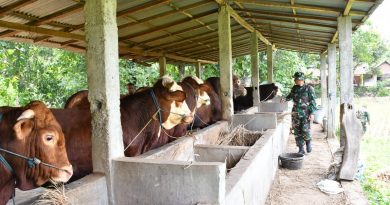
[{"x": 194, "y": 32}]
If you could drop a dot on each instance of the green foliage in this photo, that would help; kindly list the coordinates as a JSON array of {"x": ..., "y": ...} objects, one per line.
[
  {"x": 368, "y": 47},
  {"x": 35, "y": 73},
  {"x": 209, "y": 71},
  {"x": 139, "y": 75},
  {"x": 376, "y": 91},
  {"x": 371, "y": 188}
]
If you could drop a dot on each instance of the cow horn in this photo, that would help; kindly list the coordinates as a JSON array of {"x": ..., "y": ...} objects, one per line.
[
  {"x": 27, "y": 114},
  {"x": 167, "y": 81},
  {"x": 198, "y": 80}
]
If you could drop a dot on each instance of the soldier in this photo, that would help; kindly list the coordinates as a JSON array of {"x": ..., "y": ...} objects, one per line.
[
  {"x": 303, "y": 97},
  {"x": 364, "y": 117}
]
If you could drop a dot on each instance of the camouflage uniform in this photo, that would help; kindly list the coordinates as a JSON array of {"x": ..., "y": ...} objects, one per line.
[
  {"x": 364, "y": 118},
  {"x": 304, "y": 105}
]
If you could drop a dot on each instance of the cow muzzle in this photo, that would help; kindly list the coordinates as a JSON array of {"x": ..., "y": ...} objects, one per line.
[
  {"x": 64, "y": 174},
  {"x": 187, "y": 119}
]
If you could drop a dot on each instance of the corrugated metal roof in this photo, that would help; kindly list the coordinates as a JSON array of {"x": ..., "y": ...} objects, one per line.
[{"x": 186, "y": 30}]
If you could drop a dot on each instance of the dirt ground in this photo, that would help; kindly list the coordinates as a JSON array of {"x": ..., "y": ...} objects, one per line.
[{"x": 299, "y": 186}]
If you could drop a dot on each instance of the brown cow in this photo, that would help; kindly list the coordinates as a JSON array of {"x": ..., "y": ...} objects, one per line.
[
  {"x": 141, "y": 110},
  {"x": 31, "y": 131},
  {"x": 196, "y": 97},
  {"x": 136, "y": 111},
  {"x": 78, "y": 100},
  {"x": 207, "y": 115}
]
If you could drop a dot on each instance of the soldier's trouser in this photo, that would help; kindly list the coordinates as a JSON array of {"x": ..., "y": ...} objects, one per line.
[{"x": 301, "y": 128}]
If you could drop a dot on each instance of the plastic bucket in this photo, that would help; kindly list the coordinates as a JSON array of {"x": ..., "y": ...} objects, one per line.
[{"x": 292, "y": 161}]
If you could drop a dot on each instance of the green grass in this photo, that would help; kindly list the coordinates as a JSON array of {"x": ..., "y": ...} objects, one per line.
[{"x": 375, "y": 150}]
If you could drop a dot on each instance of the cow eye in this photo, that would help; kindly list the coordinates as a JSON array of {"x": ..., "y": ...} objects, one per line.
[{"x": 49, "y": 137}]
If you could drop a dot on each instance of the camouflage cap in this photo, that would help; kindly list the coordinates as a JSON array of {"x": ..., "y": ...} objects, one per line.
[{"x": 299, "y": 76}]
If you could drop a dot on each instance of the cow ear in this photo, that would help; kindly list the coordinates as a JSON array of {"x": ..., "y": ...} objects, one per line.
[
  {"x": 24, "y": 124},
  {"x": 177, "y": 96},
  {"x": 23, "y": 128},
  {"x": 204, "y": 87}
]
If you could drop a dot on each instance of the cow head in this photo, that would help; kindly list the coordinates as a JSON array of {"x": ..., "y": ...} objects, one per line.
[
  {"x": 171, "y": 99},
  {"x": 36, "y": 133},
  {"x": 238, "y": 89},
  {"x": 202, "y": 98}
]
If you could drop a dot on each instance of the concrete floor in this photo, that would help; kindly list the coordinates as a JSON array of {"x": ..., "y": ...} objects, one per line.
[{"x": 299, "y": 186}]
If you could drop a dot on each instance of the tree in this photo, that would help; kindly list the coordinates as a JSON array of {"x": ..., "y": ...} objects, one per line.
[{"x": 368, "y": 46}]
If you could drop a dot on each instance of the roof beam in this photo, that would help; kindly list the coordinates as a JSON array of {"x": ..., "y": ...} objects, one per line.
[
  {"x": 212, "y": 43},
  {"x": 287, "y": 21},
  {"x": 173, "y": 33},
  {"x": 302, "y": 29},
  {"x": 14, "y": 6},
  {"x": 140, "y": 7},
  {"x": 296, "y": 38},
  {"x": 346, "y": 12},
  {"x": 294, "y": 35},
  {"x": 246, "y": 25},
  {"x": 299, "y": 44},
  {"x": 59, "y": 14},
  {"x": 296, "y": 16},
  {"x": 198, "y": 38},
  {"x": 348, "y": 7},
  {"x": 159, "y": 54},
  {"x": 39, "y": 30},
  {"x": 66, "y": 29},
  {"x": 192, "y": 6},
  {"x": 301, "y": 7},
  {"x": 159, "y": 28}
]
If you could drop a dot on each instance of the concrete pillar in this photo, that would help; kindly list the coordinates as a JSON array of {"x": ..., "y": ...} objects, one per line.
[
  {"x": 270, "y": 64},
  {"x": 324, "y": 89},
  {"x": 225, "y": 62},
  {"x": 255, "y": 68},
  {"x": 344, "y": 26},
  {"x": 103, "y": 84},
  {"x": 198, "y": 69},
  {"x": 182, "y": 70},
  {"x": 162, "y": 62},
  {"x": 332, "y": 90}
]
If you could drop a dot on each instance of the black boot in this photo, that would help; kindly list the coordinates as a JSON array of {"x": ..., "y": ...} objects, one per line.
[
  {"x": 301, "y": 150},
  {"x": 308, "y": 146}
]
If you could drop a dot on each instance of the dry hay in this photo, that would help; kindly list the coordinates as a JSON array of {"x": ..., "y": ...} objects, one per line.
[
  {"x": 238, "y": 136},
  {"x": 53, "y": 196}
]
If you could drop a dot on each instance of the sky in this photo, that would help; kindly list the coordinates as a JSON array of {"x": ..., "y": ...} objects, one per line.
[{"x": 380, "y": 19}]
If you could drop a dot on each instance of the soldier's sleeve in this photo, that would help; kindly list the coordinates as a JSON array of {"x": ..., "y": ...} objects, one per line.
[
  {"x": 289, "y": 96},
  {"x": 312, "y": 100}
]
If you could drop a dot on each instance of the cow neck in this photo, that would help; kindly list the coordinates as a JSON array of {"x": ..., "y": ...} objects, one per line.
[
  {"x": 159, "y": 113},
  {"x": 194, "y": 92},
  {"x": 8, "y": 176},
  {"x": 157, "y": 105}
]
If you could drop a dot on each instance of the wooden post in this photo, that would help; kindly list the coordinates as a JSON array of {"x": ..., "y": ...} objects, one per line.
[
  {"x": 198, "y": 69},
  {"x": 225, "y": 62},
  {"x": 103, "y": 84},
  {"x": 270, "y": 64},
  {"x": 255, "y": 68},
  {"x": 332, "y": 90},
  {"x": 344, "y": 26},
  {"x": 162, "y": 62},
  {"x": 324, "y": 89}
]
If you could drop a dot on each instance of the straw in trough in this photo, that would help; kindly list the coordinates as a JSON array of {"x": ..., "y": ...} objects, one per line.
[
  {"x": 238, "y": 136},
  {"x": 53, "y": 196}
]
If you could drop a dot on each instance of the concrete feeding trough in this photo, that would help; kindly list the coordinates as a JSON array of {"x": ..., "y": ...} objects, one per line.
[{"x": 195, "y": 170}]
